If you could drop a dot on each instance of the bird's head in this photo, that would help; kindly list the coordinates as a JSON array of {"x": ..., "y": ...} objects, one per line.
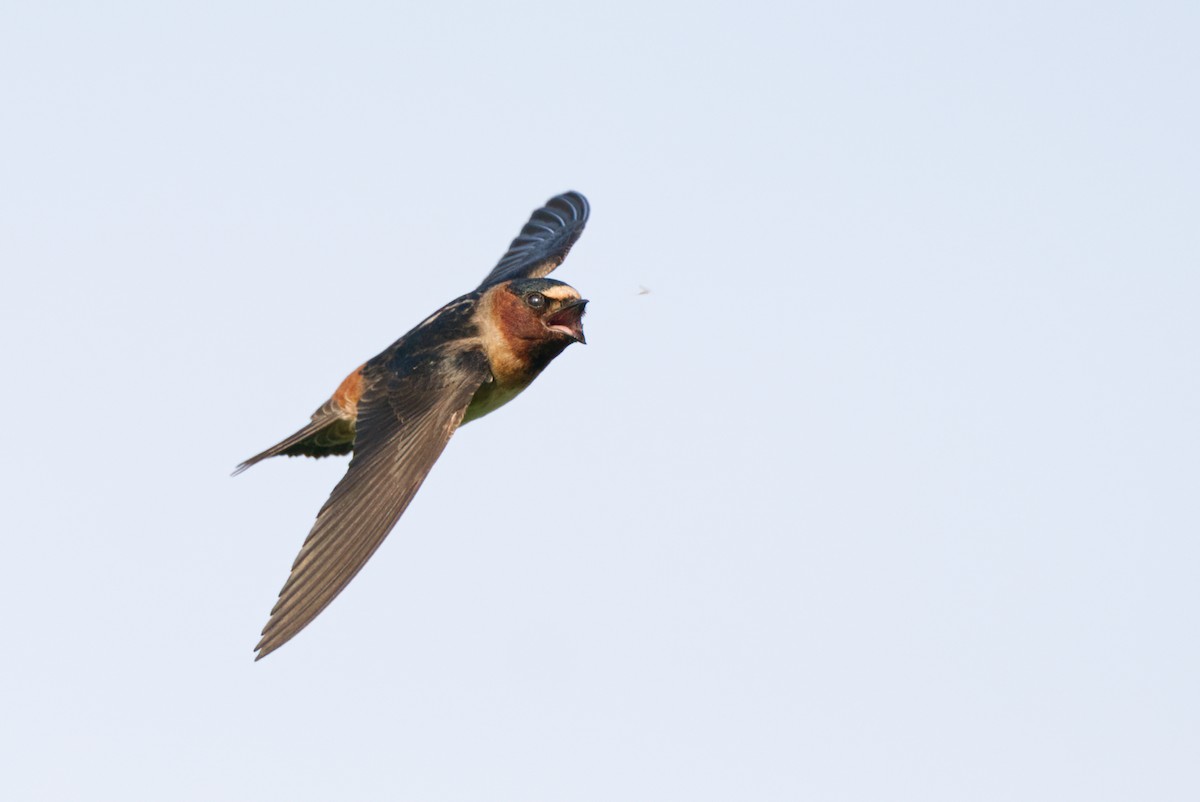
[
  {"x": 545, "y": 309},
  {"x": 525, "y": 323}
]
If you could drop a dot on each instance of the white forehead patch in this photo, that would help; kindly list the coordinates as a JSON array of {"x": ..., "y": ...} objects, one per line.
[{"x": 561, "y": 293}]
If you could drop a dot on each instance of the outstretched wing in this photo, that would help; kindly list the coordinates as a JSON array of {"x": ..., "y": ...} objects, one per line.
[
  {"x": 405, "y": 418},
  {"x": 545, "y": 240}
]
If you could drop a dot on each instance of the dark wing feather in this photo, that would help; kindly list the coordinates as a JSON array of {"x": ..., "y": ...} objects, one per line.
[
  {"x": 545, "y": 240},
  {"x": 404, "y": 421}
]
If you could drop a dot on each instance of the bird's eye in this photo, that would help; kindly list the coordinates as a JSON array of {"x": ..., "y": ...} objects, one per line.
[{"x": 536, "y": 300}]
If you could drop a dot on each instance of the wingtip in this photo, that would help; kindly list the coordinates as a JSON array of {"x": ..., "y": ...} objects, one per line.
[
  {"x": 579, "y": 198},
  {"x": 544, "y": 241},
  {"x": 263, "y": 649}
]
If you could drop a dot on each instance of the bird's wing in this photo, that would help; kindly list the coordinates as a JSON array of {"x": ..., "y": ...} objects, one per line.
[
  {"x": 545, "y": 240},
  {"x": 405, "y": 418}
]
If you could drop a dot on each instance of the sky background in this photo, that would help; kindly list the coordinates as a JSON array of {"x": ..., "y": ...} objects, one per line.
[{"x": 886, "y": 490}]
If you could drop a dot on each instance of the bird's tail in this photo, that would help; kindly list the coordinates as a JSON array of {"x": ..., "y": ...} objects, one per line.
[{"x": 327, "y": 434}]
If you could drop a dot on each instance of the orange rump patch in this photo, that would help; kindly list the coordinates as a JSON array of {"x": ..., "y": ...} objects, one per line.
[{"x": 349, "y": 391}]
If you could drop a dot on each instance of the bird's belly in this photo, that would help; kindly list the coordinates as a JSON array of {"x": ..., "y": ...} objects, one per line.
[{"x": 491, "y": 397}]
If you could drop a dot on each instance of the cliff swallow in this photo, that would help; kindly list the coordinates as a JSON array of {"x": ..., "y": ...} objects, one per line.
[{"x": 396, "y": 412}]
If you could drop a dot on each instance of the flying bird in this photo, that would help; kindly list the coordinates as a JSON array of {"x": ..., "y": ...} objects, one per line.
[{"x": 396, "y": 412}]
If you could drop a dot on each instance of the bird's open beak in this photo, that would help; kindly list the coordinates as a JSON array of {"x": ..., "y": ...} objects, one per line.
[{"x": 569, "y": 320}]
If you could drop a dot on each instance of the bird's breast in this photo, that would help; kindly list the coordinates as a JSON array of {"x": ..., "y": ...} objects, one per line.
[{"x": 491, "y": 396}]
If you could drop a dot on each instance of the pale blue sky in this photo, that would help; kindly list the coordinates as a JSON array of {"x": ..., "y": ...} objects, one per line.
[{"x": 887, "y": 490}]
